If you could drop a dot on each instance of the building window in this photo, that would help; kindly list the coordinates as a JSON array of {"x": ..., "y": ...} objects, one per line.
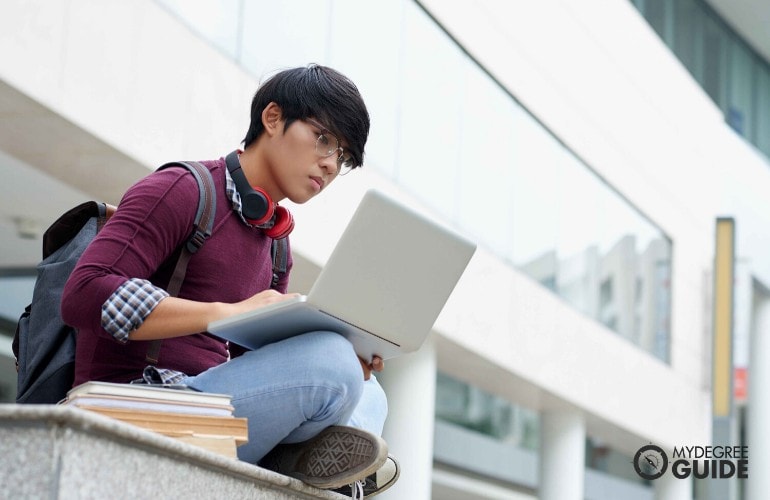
[{"x": 733, "y": 74}]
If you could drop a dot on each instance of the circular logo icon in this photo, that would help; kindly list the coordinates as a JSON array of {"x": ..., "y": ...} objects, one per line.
[{"x": 650, "y": 462}]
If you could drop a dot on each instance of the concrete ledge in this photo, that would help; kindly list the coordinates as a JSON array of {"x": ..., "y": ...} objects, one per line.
[{"x": 67, "y": 453}]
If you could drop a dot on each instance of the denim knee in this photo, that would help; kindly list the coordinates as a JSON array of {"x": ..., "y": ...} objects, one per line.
[
  {"x": 331, "y": 358},
  {"x": 316, "y": 374}
]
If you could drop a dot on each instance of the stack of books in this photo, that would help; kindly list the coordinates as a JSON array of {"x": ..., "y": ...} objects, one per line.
[{"x": 200, "y": 418}]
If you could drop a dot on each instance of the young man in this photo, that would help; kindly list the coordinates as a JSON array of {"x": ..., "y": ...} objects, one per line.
[{"x": 309, "y": 399}]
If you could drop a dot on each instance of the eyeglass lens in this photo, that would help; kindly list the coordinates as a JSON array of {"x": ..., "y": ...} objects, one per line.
[{"x": 326, "y": 145}]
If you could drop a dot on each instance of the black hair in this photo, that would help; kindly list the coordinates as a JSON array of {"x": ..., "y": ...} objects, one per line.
[{"x": 316, "y": 92}]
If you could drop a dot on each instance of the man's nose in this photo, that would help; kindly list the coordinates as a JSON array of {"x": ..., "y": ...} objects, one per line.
[{"x": 330, "y": 162}]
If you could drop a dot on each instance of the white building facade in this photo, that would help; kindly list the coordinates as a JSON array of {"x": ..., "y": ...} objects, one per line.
[{"x": 565, "y": 138}]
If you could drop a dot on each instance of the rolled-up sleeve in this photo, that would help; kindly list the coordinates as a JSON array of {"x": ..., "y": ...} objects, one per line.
[{"x": 126, "y": 309}]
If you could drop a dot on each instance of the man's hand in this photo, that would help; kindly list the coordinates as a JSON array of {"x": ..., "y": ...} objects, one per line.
[
  {"x": 376, "y": 365},
  {"x": 263, "y": 298}
]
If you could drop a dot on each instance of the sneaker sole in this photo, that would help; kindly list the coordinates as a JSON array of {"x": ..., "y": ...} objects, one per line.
[
  {"x": 379, "y": 488},
  {"x": 340, "y": 456}
]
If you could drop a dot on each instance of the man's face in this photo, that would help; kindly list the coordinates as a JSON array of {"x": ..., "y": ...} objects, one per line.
[{"x": 300, "y": 171}]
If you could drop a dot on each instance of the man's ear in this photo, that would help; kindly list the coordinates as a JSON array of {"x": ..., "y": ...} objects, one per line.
[{"x": 272, "y": 118}]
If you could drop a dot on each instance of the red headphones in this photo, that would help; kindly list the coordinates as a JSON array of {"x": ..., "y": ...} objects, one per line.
[{"x": 257, "y": 206}]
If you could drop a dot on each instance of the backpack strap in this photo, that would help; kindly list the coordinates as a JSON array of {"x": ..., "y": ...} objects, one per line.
[
  {"x": 203, "y": 225},
  {"x": 202, "y": 228},
  {"x": 280, "y": 253}
]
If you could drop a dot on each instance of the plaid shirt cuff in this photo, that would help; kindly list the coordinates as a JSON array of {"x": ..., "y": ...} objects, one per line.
[
  {"x": 160, "y": 376},
  {"x": 128, "y": 306}
]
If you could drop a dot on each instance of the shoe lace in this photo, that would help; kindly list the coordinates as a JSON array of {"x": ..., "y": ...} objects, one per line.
[{"x": 357, "y": 490}]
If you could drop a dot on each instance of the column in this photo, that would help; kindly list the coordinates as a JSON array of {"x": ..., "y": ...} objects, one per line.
[
  {"x": 668, "y": 487},
  {"x": 562, "y": 455},
  {"x": 758, "y": 429},
  {"x": 410, "y": 383}
]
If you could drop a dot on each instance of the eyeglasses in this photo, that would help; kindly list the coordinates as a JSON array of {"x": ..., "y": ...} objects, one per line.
[{"x": 327, "y": 144}]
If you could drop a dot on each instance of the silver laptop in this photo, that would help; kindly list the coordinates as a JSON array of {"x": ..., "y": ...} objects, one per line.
[{"x": 382, "y": 288}]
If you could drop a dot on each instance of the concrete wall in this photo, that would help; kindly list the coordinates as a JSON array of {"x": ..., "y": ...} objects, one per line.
[{"x": 68, "y": 453}]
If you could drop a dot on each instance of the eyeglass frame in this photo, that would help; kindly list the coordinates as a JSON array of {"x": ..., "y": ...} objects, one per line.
[{"x": 341, "y": 169}]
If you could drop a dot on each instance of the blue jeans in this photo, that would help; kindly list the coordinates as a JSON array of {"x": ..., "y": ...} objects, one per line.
[{"x": 293, "y": 389}]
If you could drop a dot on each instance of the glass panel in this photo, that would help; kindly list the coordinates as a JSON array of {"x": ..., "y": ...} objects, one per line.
[
  {"x": 740, "y": 87},
  {"x": 685, "y": 34},
  {"x": 537, "y": 167},
  {"x": 580, "y": 223},
  {"x": 215, "y": 20},
  {"x": 7, "y": 371},
  {"x": 714, "y": 56},
  {"x": 474, "y": 409},
  {"x": 602, "y": 458},
  {"x": 763, "y": 109},
  {"x": 731, "y": 73},
  {"x": 486, "y": 201},
  {"x": 16, "y": 287},
  {"x": 659, "y": 14},
  {"x": 15, "y": 294},
  {"x": 280, "y": 35},
  {"x": 430, "y": 129},
  {"x": 379, "y": 78},
  {"x": 633, "y": 275}
]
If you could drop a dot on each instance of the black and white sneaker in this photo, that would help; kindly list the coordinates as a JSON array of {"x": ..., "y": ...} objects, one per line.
[
  {"x": 336, "y": 457},
  {"x": 374, "y": 484}
]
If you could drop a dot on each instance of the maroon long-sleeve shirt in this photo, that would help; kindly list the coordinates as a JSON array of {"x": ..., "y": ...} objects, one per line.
[{"x": 140, "y": 241}]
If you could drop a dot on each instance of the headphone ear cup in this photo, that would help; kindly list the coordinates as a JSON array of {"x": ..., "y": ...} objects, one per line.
[
  {"x": 256, "y": 206},
  {"x": 283, "y": 225}
]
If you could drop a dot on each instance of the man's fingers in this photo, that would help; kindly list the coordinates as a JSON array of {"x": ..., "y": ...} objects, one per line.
[{"x": 377, "y": 364}]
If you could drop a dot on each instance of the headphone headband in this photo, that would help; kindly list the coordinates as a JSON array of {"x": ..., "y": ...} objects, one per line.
[{"x": 256, "y": 205}]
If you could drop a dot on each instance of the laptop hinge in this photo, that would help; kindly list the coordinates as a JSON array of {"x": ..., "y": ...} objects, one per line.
[{"x": 359, "y": 328}]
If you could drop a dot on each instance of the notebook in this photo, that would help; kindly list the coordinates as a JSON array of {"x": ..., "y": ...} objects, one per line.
[{"x": 383, "y": 286}]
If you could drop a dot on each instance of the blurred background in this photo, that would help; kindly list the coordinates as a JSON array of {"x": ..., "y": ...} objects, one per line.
[{"x": 592, "y": 149}]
